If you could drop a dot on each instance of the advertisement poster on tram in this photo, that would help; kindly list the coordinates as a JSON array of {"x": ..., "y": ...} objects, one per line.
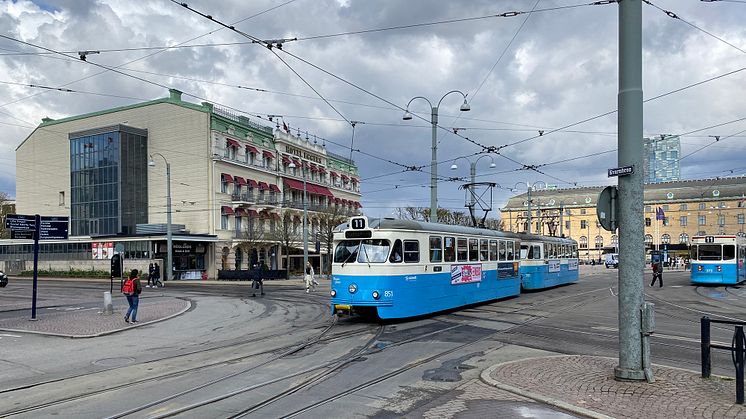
[
  {"x": 554, "y": 265},
  {"x": 465, "y": 274},
  {"x": 572, "y": 264}
]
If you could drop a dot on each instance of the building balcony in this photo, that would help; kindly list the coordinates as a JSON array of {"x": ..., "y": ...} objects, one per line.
[{"x": 242, "y": 198}]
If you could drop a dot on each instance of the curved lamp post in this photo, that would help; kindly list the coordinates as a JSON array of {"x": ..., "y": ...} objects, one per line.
[
  {"x": 169, "y": 243},
  {"x": 433, "y": 165}
]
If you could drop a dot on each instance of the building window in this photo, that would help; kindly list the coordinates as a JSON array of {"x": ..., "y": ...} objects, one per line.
[
  {"x": 583, "y": 224},
  {"x": 582, "y": 211},
  {"x": 647, "y": 221},
  {"x": 615, "y": 240},
  {"x": 666, "y": 239},
  {"x": 702, "y": 206},
  {"x": 583, "y": 242},
  {"x": 665, "y": 207},
  {"x": 224, "y": 186},
  {"x": 599, "y": 242},
  {"x": 666, "y": 221},
  {"x": 567, "y": 225},
  {"x": 740, "y": 218},
  {"x": 224, "y": 222},
  {"x": 682, "y": 207},
  {"x": 648, "y": 208},
  {"x": 721, "y": 220},
  {"x": 741, "y": 204},
  {"x": 62, "y": 198},
  {"x": 683, "y": 221},
  {"x": 683, "y": 238},
  {"x": 701, "y": 220},
  {"x": 648, "y": 239},
  {"x": 721, "y": 205}
]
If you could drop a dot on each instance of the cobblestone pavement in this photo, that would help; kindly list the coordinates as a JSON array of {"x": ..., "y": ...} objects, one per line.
[
  {"x": 588, "y": 383},
  {"x": 91, "y": 322}
]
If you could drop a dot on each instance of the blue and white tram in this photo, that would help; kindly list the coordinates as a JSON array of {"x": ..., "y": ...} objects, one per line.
[
  {"x": 548, "y": 261},
  {"x": 718, "y": 259},
  {"x": 402, "y": 268}
]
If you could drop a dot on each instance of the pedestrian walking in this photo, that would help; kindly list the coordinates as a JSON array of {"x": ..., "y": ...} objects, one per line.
[
  {"x": 310, "y": 281},
  {"x": 657, "y": 274},
  {"x": 258, "y": 283},
  {"x": 157, "y": 276},
  {"x": 132, "y": 289},
  {"x": 151, "y": 276}
]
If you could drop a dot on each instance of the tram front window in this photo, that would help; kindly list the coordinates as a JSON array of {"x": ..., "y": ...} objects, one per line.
[
  {"x": 373, "y": 251},
  {"x": 729, "y": 252},
  {"x": 346, "y": 251},
  {"x": 709, "y": 252}
]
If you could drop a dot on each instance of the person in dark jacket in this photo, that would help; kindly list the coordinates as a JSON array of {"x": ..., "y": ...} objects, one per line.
[
  {"x": 134, "y": 299},
  {"x": 151, "y": 276}
]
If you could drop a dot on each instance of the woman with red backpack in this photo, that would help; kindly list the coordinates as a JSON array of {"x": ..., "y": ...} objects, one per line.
[{"x": 132, "y": 289}]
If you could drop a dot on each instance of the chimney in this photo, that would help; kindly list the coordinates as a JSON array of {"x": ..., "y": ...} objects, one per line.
[{"x": 175, "y": 94}]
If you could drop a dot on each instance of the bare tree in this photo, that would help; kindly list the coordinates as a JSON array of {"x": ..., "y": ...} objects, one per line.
[
  {"x": 252, "y": 236},
  {"x": 286, "y": 233},
  {"x": 5, "y": 208},
  {"x": 329, "y": 218}
]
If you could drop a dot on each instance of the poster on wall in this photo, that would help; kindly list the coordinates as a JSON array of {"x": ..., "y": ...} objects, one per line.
[
  {"x": 554, "y": 265},
  {"x": 94, "y": 250},
  {"x": 103, "y": 250},
  {"x": 465, "y": 274}
]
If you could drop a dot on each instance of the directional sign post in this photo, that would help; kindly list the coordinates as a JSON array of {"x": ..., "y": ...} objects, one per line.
[{"x": 37, "y": 228}]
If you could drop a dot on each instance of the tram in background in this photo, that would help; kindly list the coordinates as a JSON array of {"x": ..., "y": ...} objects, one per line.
[
  {"x": 548, "y": 261},
  {"x": 402, "y": 268},
  {"x": 718, "y": 259}
]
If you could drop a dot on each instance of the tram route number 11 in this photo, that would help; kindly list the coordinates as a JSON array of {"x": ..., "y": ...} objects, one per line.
[{"x": 357, "y": 223}]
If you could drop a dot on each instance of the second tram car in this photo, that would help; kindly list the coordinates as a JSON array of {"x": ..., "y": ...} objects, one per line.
[
  {"x": 548, "y": 262},
  {"x": 718, "y": 259},
  {"x": 402, "y": 268}
]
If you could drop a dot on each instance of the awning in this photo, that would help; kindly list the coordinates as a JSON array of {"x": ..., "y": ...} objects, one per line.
[
  {"x": 251, "y": 149},
  {"x": 359, "y": 205},
  {"x": 337, "y": 201},
  {"x": 239, "y": 180},
  {"x": 323, "y": 190},
  {"x": 286, "y": 159},
  {"x": 253, "y": 213},
  {"x": 233, "y": 143},
  {"x": 314, "y": 168},
  {"x": 252, "y": 183},
  {"x": 333, "y": 173},
  {"x": 310, "y": 187},
  {"x": 294, "y": 184},
  {"x": 322, "y": 170},
  {"x": 240, "y": 212},
  {"x": 354, "y": 180},
  {"x": 268, "y": 154},
  {"x": 276, "y": 216},
  {"x": 274, "y": 188},
  {"x": 226, "y": 177},
  {"x": 226, "y": 210},
  {"x": 297, "y": 163},
  {"x": 345, "y": 177},
  {"x": 263, "y": 186}
]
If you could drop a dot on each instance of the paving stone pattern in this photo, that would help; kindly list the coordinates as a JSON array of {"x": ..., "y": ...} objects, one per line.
[
  {"x": 79, "y": 323},
  {"x": 588, "y": 382}
]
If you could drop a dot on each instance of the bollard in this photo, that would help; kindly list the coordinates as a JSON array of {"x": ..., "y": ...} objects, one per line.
[
  {"x": 108, "y": 305},
  {"x": 739, "y": 360},
  {"x": 705, "y": 342}
]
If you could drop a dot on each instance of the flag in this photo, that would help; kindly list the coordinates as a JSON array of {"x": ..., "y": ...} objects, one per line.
[
  {"x": 659, "y": 214},
  {"x": 285, "y": 127}
]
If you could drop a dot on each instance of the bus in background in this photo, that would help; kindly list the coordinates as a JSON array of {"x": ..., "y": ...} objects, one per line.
[{"x": 718, "y": 260}]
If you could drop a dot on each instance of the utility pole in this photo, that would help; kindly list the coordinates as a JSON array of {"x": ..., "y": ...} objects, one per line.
[
  {"x": 631, "y": 248},
  {"x": 528, "y": 193}
]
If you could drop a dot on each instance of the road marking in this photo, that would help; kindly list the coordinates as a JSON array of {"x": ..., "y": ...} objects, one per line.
[
  {"x": 64, "y": 308},
  {"x": 663, "y": 335},
  {"x": 5, "y": 335},
  {"x": 676, "y": 286}
]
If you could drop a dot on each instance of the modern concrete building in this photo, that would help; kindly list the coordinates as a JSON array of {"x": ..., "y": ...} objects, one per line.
[
  {"x": 691, "y": 207},
  {"x": 661, "y": 159},
  {"x": 236, "y": 202}
]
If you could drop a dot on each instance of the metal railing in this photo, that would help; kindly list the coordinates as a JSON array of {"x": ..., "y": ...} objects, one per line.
[
  {"x": 737, "y": 350},
  {"x": 244, "y": 197}
]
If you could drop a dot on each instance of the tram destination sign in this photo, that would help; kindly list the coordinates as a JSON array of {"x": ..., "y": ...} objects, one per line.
[
  {"x": 622, "y": 171},
  {"x": 50, "y": 228}
]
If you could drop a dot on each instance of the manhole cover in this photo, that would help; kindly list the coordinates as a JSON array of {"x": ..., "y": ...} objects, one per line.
[{"x": 114, "y": 362}]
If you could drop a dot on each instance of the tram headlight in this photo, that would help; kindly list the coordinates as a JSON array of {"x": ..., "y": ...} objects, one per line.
[
  {"x": 376, "y": 295},
  {"x": 352, "y": 288},
  {"x": 720, "y": 268},
  {"x": 699, "y": 268},
  {"x": 333, "y": 293}
]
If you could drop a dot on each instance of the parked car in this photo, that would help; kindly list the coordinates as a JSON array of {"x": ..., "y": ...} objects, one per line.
[
  {"x": 612, "y": 260},
  {"x": 3, "y": 279}
]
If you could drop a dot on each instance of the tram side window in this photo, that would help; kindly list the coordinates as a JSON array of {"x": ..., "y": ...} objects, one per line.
[
  {"x": 436, "y": 249},
  {"x": 693, "y": 252},
  {"x": 536, "y": 252},
  {"x": 575, "y": 251},
  {"x": 346, "y": 251},
  {"x": 729, "y": 252},
  {"x": 473, "y": 250},
  {"x": 449, "y": 249},
  {"x": 501, "y": 251},
  {"x": 462, "y": 251},
  {"x": 484, "y": 254},
  {"x": 511, "y": 250},
  {"x": 396, "y": 252},
  {"x": 493, "y": 250},
  {"x": 411, "y": 251}
]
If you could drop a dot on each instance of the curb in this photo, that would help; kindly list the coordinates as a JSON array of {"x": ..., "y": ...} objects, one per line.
[
  {"x": 108, "y": 332},
  {"x": 485, "y": 376}
]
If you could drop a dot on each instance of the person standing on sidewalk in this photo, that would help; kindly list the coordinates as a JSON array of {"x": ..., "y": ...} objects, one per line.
[
  {"x": 657, "y": 273},
  {"x": 310, "y": 281},
  {"x": 132, "y": 289}
]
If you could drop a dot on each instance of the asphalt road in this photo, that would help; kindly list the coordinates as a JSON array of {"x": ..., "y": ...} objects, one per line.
[{"x": 283, "y": 355}]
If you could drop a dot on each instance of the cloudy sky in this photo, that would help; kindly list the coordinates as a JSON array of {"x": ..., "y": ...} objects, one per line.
[{"x": 523, "y": 74}]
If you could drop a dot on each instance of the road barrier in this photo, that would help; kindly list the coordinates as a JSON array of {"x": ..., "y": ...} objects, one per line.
[{"x": 737, "y": 349}]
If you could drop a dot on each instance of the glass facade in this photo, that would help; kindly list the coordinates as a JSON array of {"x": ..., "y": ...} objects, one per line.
[
  {"x": 661, "y": 159},
  {"x": 108, "y": 181}
]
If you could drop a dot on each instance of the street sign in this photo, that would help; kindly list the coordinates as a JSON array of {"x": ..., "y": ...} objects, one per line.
[
  {"x": 622, "y": 171},
  {"x": 20, "y": 222},
  {"x": 607, "y": 208},
  {"x": 22, "y": 234},
  {"x": 53, "y": 228}
]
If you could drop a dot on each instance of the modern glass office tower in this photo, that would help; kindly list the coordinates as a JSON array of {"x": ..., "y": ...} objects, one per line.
[{"x": 661, "y": 159}]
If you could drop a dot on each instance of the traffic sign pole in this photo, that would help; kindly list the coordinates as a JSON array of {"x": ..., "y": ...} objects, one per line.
[{"x": 37, "y": 229}]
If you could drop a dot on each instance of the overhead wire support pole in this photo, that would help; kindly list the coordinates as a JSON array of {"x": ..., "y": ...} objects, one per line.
[{"x": 631, "y": 248}]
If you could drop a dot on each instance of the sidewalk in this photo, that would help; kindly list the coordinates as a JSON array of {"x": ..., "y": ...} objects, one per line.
[
  {"x": 90, "y": 322},
  {"x": 585, "y": 385}
]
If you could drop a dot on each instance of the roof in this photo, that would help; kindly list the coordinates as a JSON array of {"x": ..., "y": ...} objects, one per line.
[
  {"x": 392, "y": 223},
  {"x": 717, "y": 189}
]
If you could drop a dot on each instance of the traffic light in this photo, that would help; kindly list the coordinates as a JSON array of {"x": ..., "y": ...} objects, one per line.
[{"x": 116, "y": 265}]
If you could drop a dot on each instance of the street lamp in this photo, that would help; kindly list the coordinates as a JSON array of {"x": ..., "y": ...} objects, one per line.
[
  {"x": 473, "y": 167},
  {"x": 169, "y": 243},
  {"x": 305, "y": 215},
  {"x": 433, "y": 165},
  {"x": 529, "y": 187}
]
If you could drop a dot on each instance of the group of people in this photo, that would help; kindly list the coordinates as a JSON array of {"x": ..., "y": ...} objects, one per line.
[{"x": 154, "y": 276}]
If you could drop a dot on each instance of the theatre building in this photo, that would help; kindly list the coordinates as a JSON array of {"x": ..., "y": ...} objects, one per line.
[{"x": 236, "y": 190}]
